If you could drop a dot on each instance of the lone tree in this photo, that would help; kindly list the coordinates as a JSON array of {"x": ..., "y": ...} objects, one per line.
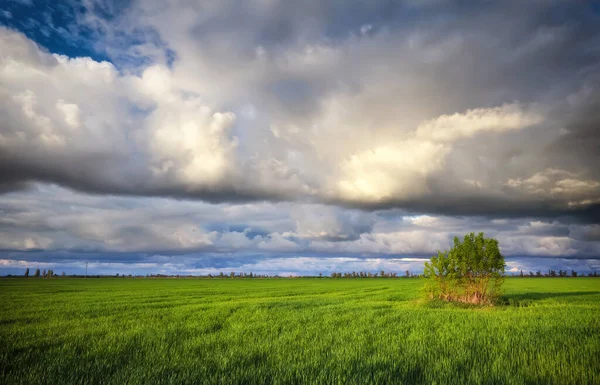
[{"x": 472, "y": 271}]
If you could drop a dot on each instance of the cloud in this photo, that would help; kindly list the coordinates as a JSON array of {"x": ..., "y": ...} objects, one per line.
[
  {"x": 561, "y": 184},
  {"x": 358, "y": 107},
  {"x": 449, "y": 128},
  {"x": 291, "y": 266},
  {"x": 56, "y": 220},
  {"x": 315, "y": 222},
  {"x": 52, "y": 227},
  {"x": 80, "y": 123}
]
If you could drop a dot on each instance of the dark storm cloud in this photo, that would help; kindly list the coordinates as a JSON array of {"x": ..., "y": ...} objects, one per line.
[
  {"x": 103, "y": 174},
  {"x": 580, "y": 145},
  {"x": 8, "y": 185},
  {"x": 477, "y": 205}
]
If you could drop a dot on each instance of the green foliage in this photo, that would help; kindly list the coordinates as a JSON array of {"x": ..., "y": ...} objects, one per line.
[
  {"x": 472, "y": 271},
  {"x": 301, "y": 331}
]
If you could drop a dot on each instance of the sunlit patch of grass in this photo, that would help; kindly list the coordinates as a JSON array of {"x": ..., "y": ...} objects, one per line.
[{"x": 313, "y": 331}]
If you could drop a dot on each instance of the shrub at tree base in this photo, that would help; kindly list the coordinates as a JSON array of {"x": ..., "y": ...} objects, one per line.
[{"x": 472, "y": 271}]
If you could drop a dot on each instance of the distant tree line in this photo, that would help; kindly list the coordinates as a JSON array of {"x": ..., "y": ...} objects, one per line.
[
  {"x": 368, "y": 274},
  {"x": 554, "y": 273},
  {"x": 37, "y": 274},
  {"x": 360, "y": 274}
]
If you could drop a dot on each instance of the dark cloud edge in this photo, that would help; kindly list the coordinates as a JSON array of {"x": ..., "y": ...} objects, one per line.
[{"x": 466, "y": 206}]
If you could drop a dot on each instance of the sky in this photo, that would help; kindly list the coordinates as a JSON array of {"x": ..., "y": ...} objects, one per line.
[{"x": 296, "y": 138}]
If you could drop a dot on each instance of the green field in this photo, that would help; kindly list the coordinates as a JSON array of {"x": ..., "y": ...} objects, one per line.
[{"x": 292, "y": 331}]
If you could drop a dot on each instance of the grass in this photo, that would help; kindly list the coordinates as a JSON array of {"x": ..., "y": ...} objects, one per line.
[{"x": 313, "y": 331}]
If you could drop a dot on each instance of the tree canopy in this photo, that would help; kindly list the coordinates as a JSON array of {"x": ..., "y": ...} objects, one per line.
[{"x": 471, "y": 271}]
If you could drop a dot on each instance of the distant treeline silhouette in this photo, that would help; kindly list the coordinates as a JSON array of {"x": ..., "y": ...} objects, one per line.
[
  {"x": 360, "y": 274},
  {"x": 554, "y": 273},
  {"x": 367, "y": 274}
]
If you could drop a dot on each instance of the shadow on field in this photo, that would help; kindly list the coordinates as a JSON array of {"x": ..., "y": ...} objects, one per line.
[{"x": 527, "y": 299}]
